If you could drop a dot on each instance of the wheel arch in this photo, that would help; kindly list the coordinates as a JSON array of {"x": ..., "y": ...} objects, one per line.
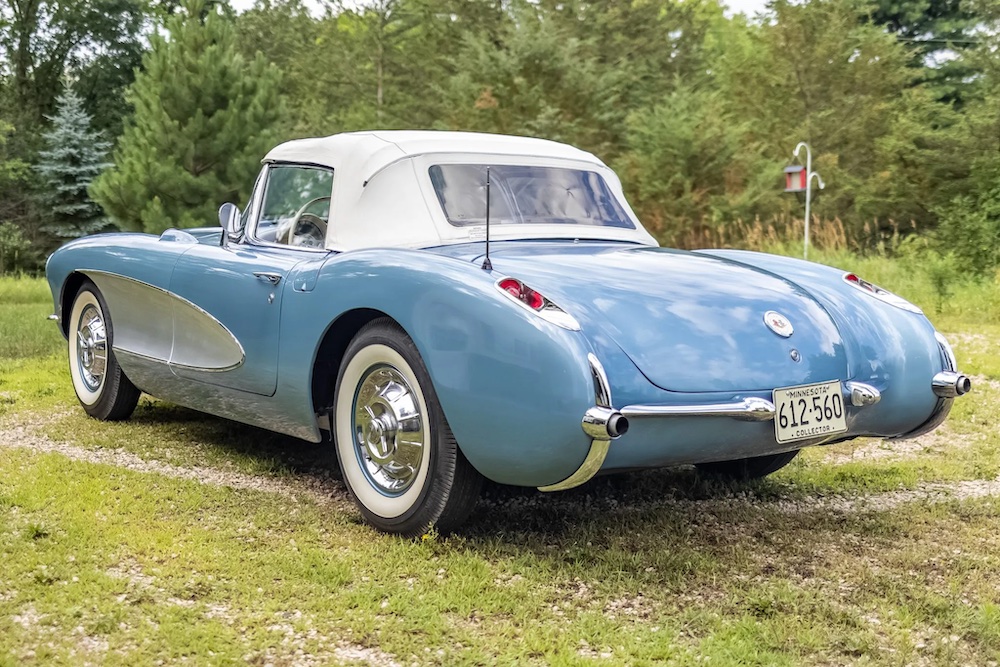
[
  {"x": 330, "y": 353},
  {"x": 70, "y": 288}
]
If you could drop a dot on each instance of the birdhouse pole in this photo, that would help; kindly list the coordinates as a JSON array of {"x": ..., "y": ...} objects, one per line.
[{"x": 809, "y": 174}]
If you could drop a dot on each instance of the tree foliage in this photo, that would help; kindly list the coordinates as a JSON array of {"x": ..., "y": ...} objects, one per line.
[
  {"x": 939, "y": 34},
  {"x": 697, "y": 110},
  {"x": 74, "y": 155},
  {"x": 44, "y": 39},
  {"x": 204, "y": 116}
]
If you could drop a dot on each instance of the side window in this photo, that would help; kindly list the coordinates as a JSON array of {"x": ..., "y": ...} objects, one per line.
[
  {"x": 245, "y": 215},
  {"x": 296, "y": 207}
]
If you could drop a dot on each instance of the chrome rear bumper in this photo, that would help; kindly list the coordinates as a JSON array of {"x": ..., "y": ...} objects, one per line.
[
  {"x": 749, "y": 410},
  {"x": 603, "y": 423}
]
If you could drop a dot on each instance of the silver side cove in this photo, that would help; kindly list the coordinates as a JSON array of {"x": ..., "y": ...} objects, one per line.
[{"x": 155, "y": 324}]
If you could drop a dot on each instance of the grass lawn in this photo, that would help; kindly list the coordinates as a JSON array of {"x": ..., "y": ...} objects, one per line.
[{"x": 178, "y": 537}]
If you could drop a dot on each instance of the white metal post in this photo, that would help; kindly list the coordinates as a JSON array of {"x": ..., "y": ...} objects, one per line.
[{"x": 809, "y": 177}]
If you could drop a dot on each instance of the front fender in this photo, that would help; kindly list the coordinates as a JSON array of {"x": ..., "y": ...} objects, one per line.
[{"x": 513, "y": 386}]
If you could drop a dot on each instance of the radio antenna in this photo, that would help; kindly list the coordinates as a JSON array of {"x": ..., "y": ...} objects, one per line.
[{"x": 487, "y": 264}]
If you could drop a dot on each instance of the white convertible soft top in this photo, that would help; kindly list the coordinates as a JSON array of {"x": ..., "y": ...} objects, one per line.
[{"x": 383, "y": 196}]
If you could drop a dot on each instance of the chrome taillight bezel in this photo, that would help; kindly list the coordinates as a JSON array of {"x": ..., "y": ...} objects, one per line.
[
  {"x": 548, "y": 311},
  {"x": 882, "y": 294}
]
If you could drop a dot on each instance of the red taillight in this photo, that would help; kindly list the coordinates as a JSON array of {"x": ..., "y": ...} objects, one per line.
[
  {"x": 536, "y": 303},
  {"x": 512, "y": 287},
  {"x": 879, "y": 293},
  {"x": 523, "y": 293},
  {"x": 857, "y": 281}
]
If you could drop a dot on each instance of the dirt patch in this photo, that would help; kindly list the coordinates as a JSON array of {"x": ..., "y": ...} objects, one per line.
[
  {"x": 324, "y": 490},
  {"x": 316, "y": 487},
  {"x": 896, "y": 450}
]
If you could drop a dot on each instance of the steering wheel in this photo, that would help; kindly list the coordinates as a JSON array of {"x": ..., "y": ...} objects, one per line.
[
  {"x": 308, "y": 232},
  {"x": 313, "y": 234}
]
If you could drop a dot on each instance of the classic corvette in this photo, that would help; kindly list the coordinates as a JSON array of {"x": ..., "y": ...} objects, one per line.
[{"x": 445, "y": 307}]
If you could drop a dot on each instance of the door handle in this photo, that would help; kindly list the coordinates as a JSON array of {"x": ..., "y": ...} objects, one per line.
[{"x": 271, "y": 278}]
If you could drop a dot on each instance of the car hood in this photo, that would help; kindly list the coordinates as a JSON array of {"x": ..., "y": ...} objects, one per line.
[{"x": 689, "y": 322}]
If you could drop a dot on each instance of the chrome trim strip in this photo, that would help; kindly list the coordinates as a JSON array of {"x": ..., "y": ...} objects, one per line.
[
  {"x": 749, "y": 409},
  {"x": 202, "y": 369},
  {"x": 947, "y": 354},
  {"x": 590, "y": 467},
  {"x": 862, "y": 395},
  {"x": 602, "y": 388},
  {"x": 595, "y": 424}
]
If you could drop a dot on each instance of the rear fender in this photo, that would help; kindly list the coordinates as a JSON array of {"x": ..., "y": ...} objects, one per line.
[{"x": 513, "y": 387}]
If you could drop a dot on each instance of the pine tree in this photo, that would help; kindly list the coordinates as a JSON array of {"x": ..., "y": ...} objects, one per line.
[
  {"x": 74, "y": 156},
  {"x": 204, "y": 116}
]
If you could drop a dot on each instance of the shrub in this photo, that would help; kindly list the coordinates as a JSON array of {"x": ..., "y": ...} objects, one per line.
[
  {"x": 970, "y": 229},
  {"x": 15, "y": 249}
]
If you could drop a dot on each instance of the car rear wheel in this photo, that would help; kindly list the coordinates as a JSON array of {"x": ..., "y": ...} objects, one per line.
[
  {"x": 746, "y": 469},
  {"x": 397, "y": 454},
  {"x": 101, "y": 386}
]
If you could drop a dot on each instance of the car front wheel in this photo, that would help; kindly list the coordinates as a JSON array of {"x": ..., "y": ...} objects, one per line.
[
  {"x": 746, "y": 469},
  {"x": 397, "y": 454},
  {"x": 101, "y": 386}
]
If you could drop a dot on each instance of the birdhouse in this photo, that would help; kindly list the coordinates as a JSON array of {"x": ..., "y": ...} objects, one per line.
[{"x": 795, "y": 178}]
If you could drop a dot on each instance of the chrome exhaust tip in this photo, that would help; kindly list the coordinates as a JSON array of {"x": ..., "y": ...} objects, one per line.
[
  {"x": 602, "y": 423},
  {"x": 948, "y": 384},
  {"x": 617, "y": 425}
]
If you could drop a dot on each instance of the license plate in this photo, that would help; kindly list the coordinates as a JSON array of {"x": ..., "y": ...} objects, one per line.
[{"x": 808, "y": 411}]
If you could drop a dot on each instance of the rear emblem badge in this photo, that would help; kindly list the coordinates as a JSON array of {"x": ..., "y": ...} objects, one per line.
[{"x": 778, "y": 323}]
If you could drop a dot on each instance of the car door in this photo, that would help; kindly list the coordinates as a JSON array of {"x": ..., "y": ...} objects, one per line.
[{"x": 230, "y": 338}]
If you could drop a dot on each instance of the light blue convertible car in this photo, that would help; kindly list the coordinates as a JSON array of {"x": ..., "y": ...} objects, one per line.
[{"x": 446, "y": 307}]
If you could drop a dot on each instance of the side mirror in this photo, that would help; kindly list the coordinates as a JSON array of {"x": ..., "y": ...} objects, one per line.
[{"x": 229, "y": 218}]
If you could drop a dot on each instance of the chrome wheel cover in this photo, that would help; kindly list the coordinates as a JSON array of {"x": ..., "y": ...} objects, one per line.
[
  {"x": 91, "y": 347},
  {"x": 388, "y": 430}
]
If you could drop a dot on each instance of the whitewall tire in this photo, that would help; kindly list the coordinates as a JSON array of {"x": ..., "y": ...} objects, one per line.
[
  {"x": 397, "y": 454},
  {"x": 100, "y": 385}
]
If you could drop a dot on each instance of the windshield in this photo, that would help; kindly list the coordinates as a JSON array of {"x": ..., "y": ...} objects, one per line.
[{"x": 526, "y": 195}]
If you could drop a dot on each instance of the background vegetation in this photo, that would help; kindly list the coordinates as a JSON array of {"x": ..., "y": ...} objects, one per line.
[{"x": 696, "y": 109}]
